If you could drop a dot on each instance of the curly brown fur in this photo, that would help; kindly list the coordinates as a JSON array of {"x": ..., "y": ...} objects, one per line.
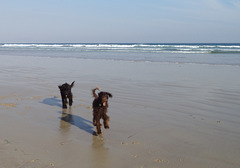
[
  {"x": 100, "y": 106},
  {"x": 66, "y": 93},
  {"x": 93, "y": 93}
]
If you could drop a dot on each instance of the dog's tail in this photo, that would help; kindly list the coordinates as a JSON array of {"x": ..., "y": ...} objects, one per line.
[
  {"x": 72, "y": 84},
  {"x": 93, "y": 92}
]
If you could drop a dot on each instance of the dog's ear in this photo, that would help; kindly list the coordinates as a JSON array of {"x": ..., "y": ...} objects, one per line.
[
  {"x": 109, "y": 94},
  {"x": 60, "y": 86},
  {"x": 72, "y": 84}
]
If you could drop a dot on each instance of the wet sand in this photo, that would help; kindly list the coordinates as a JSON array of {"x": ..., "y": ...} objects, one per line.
[{"x": 161, "y": 114}]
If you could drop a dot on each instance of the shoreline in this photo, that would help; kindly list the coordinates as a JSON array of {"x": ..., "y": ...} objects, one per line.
[
  {"x": 125, "y": 60},
  {"x": 161, "y": 115}
]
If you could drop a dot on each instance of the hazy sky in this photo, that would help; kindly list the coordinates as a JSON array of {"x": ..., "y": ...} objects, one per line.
[{"x": 119, "y": 21}]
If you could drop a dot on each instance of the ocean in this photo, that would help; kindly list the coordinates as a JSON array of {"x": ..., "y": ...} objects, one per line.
[{"x": 196, "y": 53}]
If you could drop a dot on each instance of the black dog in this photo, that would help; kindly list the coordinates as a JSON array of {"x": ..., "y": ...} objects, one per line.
[
  {"x": 100, "y": 105},
  {"x": 65, "y": 91}
]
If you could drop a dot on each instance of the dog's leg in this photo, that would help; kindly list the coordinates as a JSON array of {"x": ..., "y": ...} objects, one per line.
[
  {"x": 64, "y": 101},
  {"x": 98, "y": 126},
  {"x": 70, "y": 97},
  {"x": 94, "y": 119},
  {"x": 97, "y": 117},
  {"x": 106, "y": 121},
  {"x": 105, "y": 118}
]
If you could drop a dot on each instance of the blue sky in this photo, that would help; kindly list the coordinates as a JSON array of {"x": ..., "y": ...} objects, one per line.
[{"x": 119, "y": 21}]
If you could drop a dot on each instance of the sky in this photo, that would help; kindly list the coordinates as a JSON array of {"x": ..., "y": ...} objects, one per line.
[{"x": 120, "y": 21}]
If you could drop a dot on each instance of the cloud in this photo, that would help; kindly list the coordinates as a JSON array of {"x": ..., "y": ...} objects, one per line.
[
  {"x": 223, "y": 4},
  {"x": 234, "y": 4}
]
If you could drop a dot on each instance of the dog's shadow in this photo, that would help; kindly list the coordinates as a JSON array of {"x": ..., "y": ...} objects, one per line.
[
  {"x": 54, "y": 101},
  {"x": 77, "y": 121}
]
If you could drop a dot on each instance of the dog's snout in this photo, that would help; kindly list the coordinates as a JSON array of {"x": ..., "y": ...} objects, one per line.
[{"x": 104, "y": 99}]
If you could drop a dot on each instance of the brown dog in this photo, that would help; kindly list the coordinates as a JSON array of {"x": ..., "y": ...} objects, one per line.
[{"x": 100, "y": 105}]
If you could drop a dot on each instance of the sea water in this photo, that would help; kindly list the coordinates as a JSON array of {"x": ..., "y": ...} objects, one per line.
[{"x": 213, "y": 53}]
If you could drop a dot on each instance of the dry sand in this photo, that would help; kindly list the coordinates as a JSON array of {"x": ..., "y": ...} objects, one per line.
[{"x": 161, "y": 115}]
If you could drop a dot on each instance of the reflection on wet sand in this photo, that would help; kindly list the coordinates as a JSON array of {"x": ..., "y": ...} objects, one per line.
[
  {"x": 66, "y": 119},
  {"x": 100, "y": 153}
]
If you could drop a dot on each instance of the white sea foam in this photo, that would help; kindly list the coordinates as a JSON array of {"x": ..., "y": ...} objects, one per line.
[
  {"x": 113, "y": 46},
  {"x": 194, "y": 53}
]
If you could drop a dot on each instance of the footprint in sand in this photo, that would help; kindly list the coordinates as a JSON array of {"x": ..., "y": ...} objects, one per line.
[
  {"x": 75, "y": 106},
  {"x": 35, "y": 97},
  {"x": 55, "y": 96},
  {"x": 8, "y": 105},
  {"x": 82, "y": 105},
  {"x": 135, "y": 156},
  {"x": 52, "y": 164},
  {"x": 132, "y": 143},
  {"x": 192, "y": 116},
  {"x": 161, "y": 161},
  {"x": 8, "y": 96},
  {"x": 34, "y": 160},
  {"x": 6, "y": 142}
]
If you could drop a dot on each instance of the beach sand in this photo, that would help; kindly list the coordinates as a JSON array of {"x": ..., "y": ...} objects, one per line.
[{"x": 161, "y": 114}]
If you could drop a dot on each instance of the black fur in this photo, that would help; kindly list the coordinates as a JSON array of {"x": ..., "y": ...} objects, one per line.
[{"x": 66, "y": 93}]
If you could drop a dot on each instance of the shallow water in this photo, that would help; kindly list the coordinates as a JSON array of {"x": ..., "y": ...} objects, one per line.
[{"x": 161, "y": 114}]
